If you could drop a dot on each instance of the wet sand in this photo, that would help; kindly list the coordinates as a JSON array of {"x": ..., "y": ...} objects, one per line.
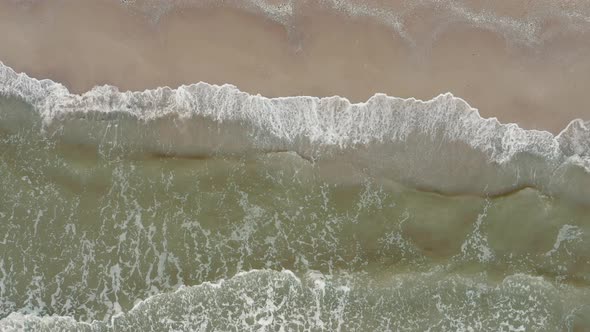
[{"x": 539, "y": 82}]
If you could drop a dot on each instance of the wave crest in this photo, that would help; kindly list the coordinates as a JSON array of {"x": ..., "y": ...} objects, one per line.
[
  {"x": 414, "y": 141},
  {"x": 263, "y": 299}
]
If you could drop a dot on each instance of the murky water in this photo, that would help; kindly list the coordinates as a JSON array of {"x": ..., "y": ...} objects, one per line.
[{"x": 105, "y": 225}]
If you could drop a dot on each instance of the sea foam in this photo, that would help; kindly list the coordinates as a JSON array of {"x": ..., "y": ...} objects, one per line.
[
  {"x": 442, "y": 144},
  {"x": 271, "y": 300}
]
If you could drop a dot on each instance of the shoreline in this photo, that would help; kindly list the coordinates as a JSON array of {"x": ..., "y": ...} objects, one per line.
[
  {"x": 325, "y": 54},
  {"x": 77, "y": 96}
]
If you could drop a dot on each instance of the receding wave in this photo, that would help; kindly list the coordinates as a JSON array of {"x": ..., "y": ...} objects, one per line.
[{"x": 441, "y": 145}]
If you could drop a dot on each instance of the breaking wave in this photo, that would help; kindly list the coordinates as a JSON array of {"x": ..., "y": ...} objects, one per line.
[
  {"x": 441, "y": 145},
  {"x": 280, "y": 301}
]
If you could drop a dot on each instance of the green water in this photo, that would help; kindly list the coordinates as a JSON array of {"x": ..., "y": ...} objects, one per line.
[{"x": 266, "y": 241}]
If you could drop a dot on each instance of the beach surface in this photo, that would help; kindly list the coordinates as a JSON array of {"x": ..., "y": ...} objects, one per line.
[{"x": 520, "y": 62}]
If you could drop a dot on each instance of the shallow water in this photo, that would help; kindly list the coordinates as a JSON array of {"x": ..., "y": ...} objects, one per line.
[{"x": 206, "y": 208}]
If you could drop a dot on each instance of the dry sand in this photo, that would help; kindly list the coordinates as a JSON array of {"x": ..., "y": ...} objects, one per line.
[{"x": 317, "y": 51}]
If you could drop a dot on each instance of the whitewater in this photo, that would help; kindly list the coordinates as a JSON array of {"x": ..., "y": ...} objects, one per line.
[{"x": 208, "y": 208}]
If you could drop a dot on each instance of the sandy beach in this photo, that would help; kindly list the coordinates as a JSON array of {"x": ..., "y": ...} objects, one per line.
[{"x": 536, "y": 76}]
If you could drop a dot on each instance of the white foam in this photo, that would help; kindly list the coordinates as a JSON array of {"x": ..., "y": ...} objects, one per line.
[
  {"x": 567, "y": 233},
  {"x": 310, "y": 125},
  {"x": 328, "y": 121},
  {"x": 269, "y": 300},
  {"x": 476, "y": 243}
]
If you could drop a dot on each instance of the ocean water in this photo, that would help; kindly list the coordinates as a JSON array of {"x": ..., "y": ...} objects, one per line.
[{"x": 206, "y": 208}]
